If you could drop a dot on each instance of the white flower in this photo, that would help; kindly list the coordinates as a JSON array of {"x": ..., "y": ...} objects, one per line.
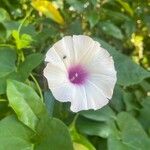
[{"x": 80, "y": 71}]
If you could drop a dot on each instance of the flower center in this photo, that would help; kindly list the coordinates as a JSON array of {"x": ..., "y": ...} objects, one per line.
[{"x": 77, "y": 74}]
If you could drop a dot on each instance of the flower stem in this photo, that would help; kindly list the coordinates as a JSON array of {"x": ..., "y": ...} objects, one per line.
[
  {"x": 38, "y": 87},
  {"x": 72, "y": 125},
  {"x": 23, "y": 21}
]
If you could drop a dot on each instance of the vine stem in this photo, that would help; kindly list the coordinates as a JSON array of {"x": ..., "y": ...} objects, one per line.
[
  {"x": 38, "y": 87},
  {"x": 72, "y": 125},
  {"x": 23, "y": 58},
  {"x": 3, "y": 100},
  {"x": 20, "y": 52},
  {"x": 23, "y": 21},
  {"x": 6, "y": 45}
]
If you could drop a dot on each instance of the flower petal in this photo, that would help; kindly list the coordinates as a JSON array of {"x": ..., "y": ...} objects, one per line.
[
  {"x": 58, "y": 82},
  {"x": 102, "y": 71},
  {"x": 88, "y": 97},
  {"x": 96, "y": 99},
  {"x": 63, "y": 92},
  {"x": 79, "y": 99},
  {"x": 104, "y": 83},
  {"x": 55, "y": 75},
  {"x": 47, "y": 8},
  {"x": 53, "y": 58},
  {"x": 80, "y": 50},
  {"x": 65, "y": 50},
  {"x": 82, "y": 44},
  {"x": 96, "y": 53}
]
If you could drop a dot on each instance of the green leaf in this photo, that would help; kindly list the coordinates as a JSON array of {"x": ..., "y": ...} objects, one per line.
[
  {"x": 116, "y": 144},
  {"x": 103, "y": 114},
  {"x": 129, "y": 27},
  {"x": 30, "y": 63},
  {"x": 93, "y": 2},
  {"x": 134, "y": 135},
  {"x": 93, "y": 18},
  {"x": 14, "y": 135},
  {"x": 101, "y": 144},
  {"x": 144, "y": 113},
  {"x": 2, "y": 85},
  {"x": 90, "y": 127},
  {"x": 14, "y": 25},
  {"x": 49, "y": 101},
  {"x": 76, "y": 4},
  {"x": 26, "y": 40},
  {"x": 128, "y": 73},
  {"x": 117, "y": 100},
  {"x": 4, "y": 109},
  {"x": 22, "y": 41},
  {"x": 80, "y": 141},
  {"x": 7, "y": 61},
  {"x": 53, "y": 135},
  {"x": 130, "y": 101},
  {"x": 75, "y": 27},
  {"x": 111, "y": 29},
  {"x": 3, "y": 15},
  {"x": 116, "y": 16},
  {"x": 145, "y": 85},
  {"x": 23, "y": 71},
  {"x": 126, "y": 6},
  {"x": 2, "y": 32},
  {"x": 78, "y": 146},
  {"x": 25, "y": 102}
]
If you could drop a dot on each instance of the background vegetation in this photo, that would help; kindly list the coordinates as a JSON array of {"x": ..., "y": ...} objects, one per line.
[{"x": 30, "y": 118}]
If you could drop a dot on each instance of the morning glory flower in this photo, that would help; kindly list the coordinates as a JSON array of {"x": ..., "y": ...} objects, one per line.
[{"x": 80, "y": 71}]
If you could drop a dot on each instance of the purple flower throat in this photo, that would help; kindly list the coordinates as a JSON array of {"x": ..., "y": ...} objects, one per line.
[{"x": 77, "y": 74}]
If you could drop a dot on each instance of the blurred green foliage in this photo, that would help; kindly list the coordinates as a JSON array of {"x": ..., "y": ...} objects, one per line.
[{"x": 30, "y": 118}]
